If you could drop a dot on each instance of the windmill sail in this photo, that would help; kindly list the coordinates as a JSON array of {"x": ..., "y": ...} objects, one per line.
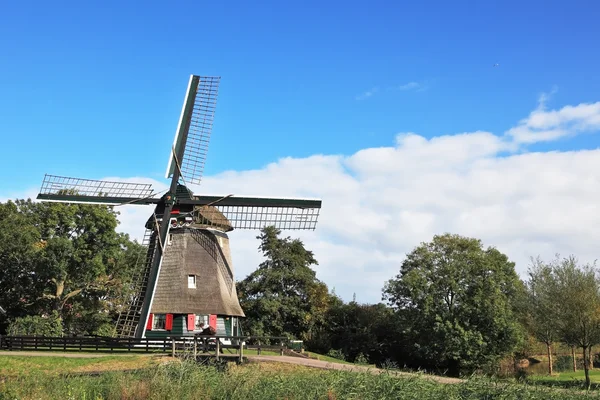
[
  {"x": 194, "y": 128},
  {"x": 257, "y": 213},
  {"x": 77, "y": 190}
]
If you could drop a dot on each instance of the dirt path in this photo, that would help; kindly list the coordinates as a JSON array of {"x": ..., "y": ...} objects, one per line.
[{"x": 308, "y": 362}]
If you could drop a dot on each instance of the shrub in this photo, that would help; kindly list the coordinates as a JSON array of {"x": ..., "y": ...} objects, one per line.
[
  {"x": 336, "y": 353},
  {"x": 361, "y": 359},
  {"x": 50, "y": 325},
  {"x": 107, "y": 329}
]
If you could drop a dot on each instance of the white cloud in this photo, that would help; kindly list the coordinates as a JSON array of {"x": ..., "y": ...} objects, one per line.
[
  {"x": 409, "y": 86},
  {"x": 379, "y": 203},
  {"x": 543, "y": 126},
  {"x": 367, "y": 94}
]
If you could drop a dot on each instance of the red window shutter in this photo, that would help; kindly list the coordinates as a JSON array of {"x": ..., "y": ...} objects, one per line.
[
  {"x": 169, "y": 322},
  {"x": 149, "y": 324},
  {"x": 191, "y": 322},
  {"x": 212, "y": 321}
]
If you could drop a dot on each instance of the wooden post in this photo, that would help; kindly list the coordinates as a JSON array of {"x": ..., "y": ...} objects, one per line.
[
  {"x": 281, "y": 349},
  {"x": 173, "y": 347},
  {"x": 258, "y": 351},
  {"x": 195, "y": 347},
  {"x": 218, "y": 347},
  {"x": 241, "y": 351}
]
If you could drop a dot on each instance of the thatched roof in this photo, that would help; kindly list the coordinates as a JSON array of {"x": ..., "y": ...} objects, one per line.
[{"x": 211, "y": 216}]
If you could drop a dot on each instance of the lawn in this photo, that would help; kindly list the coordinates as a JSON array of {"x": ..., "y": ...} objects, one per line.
[
  {"x": 19, "y": 366},
  {"x": 568, "y": 379}
]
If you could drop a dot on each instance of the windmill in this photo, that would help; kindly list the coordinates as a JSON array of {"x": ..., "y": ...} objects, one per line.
[{"x": 186, "y": 274}]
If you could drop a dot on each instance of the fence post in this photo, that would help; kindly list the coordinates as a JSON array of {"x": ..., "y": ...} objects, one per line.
[
  {"x": 281, "y": 349},
  {"x": 241, "y": 351},
  {"x": 195, "y": 347},
  {"x": 258, "y": 350},
  {"x": 218, "y": 348},
  {"x": 173, "y": 347}
]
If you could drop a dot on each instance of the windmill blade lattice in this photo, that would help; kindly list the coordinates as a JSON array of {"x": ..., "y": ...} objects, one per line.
[
  {"x": 241, "y": 217},
  {"x": 197, "y": 126},
  {"x": 62, "y": 188}
]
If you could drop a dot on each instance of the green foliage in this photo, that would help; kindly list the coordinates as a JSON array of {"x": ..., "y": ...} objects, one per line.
[
  {"x": 283, "y": 296},
  {"x": 106, "y": 329},
  {"x": 49, "y": 325},
  {"x": 454, "y": 298},
  {"x": 337, "y": 354},
  {"x": 369, "y": 329},
  {"x": 565, "y": 364},
  {"x": 66, "y": 258},
  {"x": 361, "y": 359},
  {"x": 574, "y": 299}
]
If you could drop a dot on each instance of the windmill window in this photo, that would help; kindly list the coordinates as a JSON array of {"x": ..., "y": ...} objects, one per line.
[
  {"x": 201, "y": 319},
  {"x": 159, "y": 321},
  {"x": 191, "y": 281}
]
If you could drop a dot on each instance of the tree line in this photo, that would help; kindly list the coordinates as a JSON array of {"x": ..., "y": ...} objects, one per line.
[
  {"x": 64, "y": 267},
  {"x": 454, "y": 306}
]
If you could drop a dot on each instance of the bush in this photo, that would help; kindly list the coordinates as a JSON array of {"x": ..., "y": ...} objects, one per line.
[
  {"x": 336, "y": 353},
  {"x": 37, "y": 325},
  {"x": 108, "y": 330},
  {"x": 361, "y": 359}
]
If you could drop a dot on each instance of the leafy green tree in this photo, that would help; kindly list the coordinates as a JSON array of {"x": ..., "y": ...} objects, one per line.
[
  {"x": 542, "y": 304},
  {"x": 577, "y": 299},
  {"x": 66, "y": 258},
  {"x": 455, "y": 298},
  {"x": 283, "y": 296},
  {"x": 19, "y": 251},
  {"x": 370, "y": 330},
  {"x": 49, "y": 325}
]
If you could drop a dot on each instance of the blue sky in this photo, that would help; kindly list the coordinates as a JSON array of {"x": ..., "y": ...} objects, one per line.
[{"x": 94, "y": 88}]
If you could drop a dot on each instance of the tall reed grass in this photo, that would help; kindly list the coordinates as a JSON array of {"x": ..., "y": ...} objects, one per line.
[{"x": 187, "y": 380}]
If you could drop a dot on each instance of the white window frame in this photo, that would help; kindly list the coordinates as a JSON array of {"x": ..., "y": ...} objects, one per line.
[
  {"x": 192, "y": 284},
  {"x": 155, "y": 322},
  {"x": 198, "y": 319}
]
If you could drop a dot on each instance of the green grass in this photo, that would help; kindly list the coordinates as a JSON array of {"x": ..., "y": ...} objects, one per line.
[
  {"x": 35, "y": 378},
  {"x": 568, "y": 379},
  {"x": 326, "y": 358},
  {"x": 18, "y": 366}
]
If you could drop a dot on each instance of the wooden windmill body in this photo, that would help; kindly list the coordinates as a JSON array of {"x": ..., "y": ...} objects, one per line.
[{"x": 186, "y": 274}]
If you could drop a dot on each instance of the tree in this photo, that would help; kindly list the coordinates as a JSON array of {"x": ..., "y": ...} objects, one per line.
[
  {"x": 542, "y": 304},
  {"x": 455, "y": 297},
  {"x": 283, "y": 296},
  {"x": 371, "y": 330},
  {"x": 66, "y": 258},
  {"x": 18, "y": 255},
  {"x": 577, "y": 299}
]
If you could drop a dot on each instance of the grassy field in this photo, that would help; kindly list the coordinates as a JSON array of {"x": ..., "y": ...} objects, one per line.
[
  {"x": 568, "y": 379},
  {"x": 143, "y": 377}
]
